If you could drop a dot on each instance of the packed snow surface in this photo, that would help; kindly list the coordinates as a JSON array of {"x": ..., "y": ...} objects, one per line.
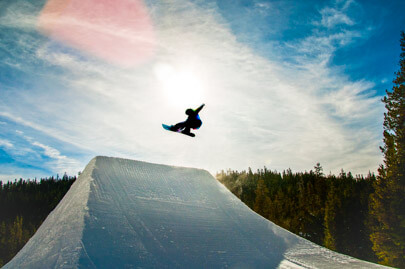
[{"x": 129, "y": 214}]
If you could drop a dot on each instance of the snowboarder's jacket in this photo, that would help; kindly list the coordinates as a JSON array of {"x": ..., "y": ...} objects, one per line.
[{"x": 193, "y": 120}]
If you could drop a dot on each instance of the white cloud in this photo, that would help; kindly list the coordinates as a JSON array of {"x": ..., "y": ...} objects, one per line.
[
  {"x": 49, "y": 151},
  {"x": 336, "y": 15},
  {"x": 59, "y": 163},
  {"x": 258, "y": 111},
  {"x": 332, "y": 17},
  {"x": 19, "y": 120},
  {"x": 34, "y": 151},
  {"x": 10, "y": 177},
  {"x": 5, "y": 143},
  {"x": 18, "y": 16},
  {"x": 263, "y": 5}
]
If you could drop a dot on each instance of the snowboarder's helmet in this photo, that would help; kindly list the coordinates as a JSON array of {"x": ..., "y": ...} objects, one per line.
[{"x": 189, "y": 111}]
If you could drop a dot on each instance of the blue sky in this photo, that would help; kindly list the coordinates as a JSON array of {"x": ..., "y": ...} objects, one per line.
[{"x": 286, "y": 84}]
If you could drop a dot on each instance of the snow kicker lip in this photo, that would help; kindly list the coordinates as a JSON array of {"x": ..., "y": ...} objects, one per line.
[{"x": 124, "y": 214}]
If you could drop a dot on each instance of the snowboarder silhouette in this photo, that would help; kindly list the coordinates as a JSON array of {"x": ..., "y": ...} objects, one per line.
[{"x": 193, "y": 121}]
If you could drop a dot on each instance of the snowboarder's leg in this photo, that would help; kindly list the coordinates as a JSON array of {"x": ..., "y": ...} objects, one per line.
[
  {"x": 177, "y": 127},
  {"x": 182, "y": 127},
  {"x": 187, "y": 131}
]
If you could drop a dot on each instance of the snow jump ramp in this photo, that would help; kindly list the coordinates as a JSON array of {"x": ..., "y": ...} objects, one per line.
[{"x": 129, "y": 214}]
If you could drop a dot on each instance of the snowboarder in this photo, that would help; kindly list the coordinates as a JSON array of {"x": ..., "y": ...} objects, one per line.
[{"x": 193, "y": 121}]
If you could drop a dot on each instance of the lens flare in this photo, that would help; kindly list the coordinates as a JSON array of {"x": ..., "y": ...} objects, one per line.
[{"x": 117, "y": 31}]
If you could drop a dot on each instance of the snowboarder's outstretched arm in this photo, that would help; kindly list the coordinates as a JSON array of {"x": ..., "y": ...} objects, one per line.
[{"x": 199, "y": 109}]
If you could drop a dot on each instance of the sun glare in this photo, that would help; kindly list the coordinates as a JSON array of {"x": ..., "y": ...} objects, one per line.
[{"x": 181, "y": 87}]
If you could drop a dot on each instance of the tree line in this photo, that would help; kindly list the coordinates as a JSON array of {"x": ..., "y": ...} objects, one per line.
[
  {"x": 24, "y": 206},
  {"x": 331, "y": 211}
]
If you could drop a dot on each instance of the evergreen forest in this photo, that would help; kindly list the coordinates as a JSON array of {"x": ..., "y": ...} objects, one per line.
[
  {"x": 331, "y": 211},
  {"x": 24, "y": 205}
]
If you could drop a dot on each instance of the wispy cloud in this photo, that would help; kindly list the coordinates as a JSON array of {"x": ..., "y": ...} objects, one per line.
[
  {"x": 259, "y": 111},
  {"x": 19, "y": 120},
  {"x": 334, "y": 16},
  {"x": 51, "y": 158},
  {"x": 59, "y": 161},
  {"x": 263, "y": 5},
  {"x": 6, "y": 143},
  {"x": 10, "y": 177},
  {"x": 19, "y": 16}
]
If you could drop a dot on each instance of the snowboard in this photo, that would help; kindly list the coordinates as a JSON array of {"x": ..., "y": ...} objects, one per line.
[{"x": 167, "y": 127}]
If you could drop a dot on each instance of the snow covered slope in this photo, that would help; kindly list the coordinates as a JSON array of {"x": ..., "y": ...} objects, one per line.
[{"x": 129, "y": 214}]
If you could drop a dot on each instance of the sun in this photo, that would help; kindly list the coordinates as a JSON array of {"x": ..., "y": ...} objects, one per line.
[{"x": 181, "y": 86}]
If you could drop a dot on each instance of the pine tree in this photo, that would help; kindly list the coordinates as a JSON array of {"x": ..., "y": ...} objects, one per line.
[
  {"x": 318, "y": 170},
  {"x": 262, "y": 201},
  {"x": 387, "y": 206},
  {"x": 16, "y": 239},
  {"x": 3, "y": 243},
  {"x": 332, "y": 205}
]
